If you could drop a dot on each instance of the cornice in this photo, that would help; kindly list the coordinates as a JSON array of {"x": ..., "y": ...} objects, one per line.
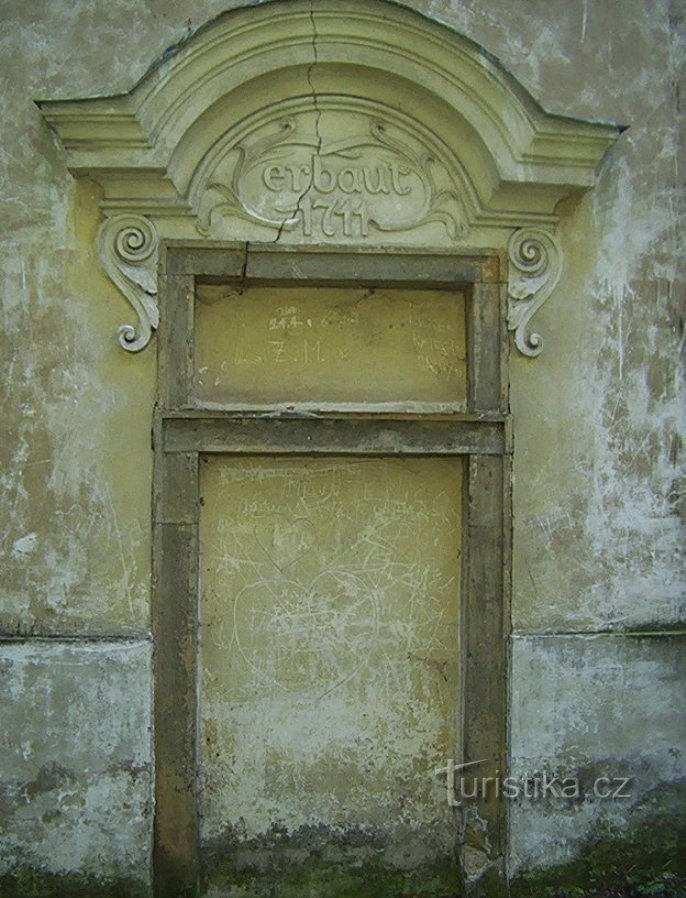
[{"x": 502, "y": 162}]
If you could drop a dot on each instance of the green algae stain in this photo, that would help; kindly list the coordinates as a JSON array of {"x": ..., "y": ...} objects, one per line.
[
  {"x": 648, "y": 863},
  {"x": 25, "y": 883},
  {"x": 322, "y": 879}
]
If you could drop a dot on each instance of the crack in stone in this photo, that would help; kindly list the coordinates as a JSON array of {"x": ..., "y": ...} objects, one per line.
[
  {"x": 310, "y": 69},
  {"x": 317, "y": 120}
]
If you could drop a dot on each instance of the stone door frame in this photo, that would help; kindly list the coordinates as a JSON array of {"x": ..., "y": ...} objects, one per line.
[
  {"x": 167, "y": 154},
  {"x": 182, "y": 432}
]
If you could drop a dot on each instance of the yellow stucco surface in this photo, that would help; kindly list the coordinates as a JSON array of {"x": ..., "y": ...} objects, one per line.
[
  {"x": 329, "y": 651},
  {"x": 330, "y": 345},
  {"x": 597, "y": 533}
]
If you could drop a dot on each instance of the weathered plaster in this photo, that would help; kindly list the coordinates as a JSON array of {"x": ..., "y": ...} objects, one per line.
[
  {"x": 590, "y": 707},
  {"x": 76, "y": 782},
  {"x": 603, "y": 547},
  {"x": 597, "y": 531},
  {"x": 328, "y": 691},
  {"x": 265, "y": 345},
  {"x": 76, "y": 530}
]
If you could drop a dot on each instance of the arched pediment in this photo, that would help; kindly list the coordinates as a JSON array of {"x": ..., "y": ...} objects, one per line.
[{"x": 338, "y": 122}]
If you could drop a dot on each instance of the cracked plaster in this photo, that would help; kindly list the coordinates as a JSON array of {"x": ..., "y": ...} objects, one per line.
[{"x": 597, "y": 528}]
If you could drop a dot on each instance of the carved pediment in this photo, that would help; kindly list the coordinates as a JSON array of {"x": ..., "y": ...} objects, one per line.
[{"x": 346, "y": 121}]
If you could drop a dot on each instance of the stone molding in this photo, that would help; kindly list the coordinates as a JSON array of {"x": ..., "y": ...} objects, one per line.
[{"x": 316, "y": 125}]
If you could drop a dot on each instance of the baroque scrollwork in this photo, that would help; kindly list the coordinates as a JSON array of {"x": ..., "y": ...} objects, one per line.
[
  {"x": 128, "y": 247},
  {"x": 535, "y": 267},
  {"x": 290, "y": 179}
]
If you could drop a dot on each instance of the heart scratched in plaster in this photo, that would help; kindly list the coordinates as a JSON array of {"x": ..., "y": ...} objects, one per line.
[
  {"x": 319, "y": 632},
  {"x": 284, "y": 540}
]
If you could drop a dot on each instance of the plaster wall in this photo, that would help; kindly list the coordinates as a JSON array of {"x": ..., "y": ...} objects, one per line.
[{"x": 597, "y": 514}]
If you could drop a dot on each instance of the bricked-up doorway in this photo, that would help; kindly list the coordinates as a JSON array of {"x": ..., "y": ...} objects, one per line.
[{"x": 331, "y": 557}]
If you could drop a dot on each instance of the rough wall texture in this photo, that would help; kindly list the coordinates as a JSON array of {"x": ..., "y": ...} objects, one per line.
[
  {"x": 596, "y": 492},
  {"x": 77, "y": 774}
]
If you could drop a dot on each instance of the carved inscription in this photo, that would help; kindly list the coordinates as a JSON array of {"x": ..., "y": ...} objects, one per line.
[
  {"x": 339, "y": 196},
  {"x": 289, "y": 179}
]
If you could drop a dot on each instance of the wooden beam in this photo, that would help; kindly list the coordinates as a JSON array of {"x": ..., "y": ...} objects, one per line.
[{"x": 332, "y": 436}]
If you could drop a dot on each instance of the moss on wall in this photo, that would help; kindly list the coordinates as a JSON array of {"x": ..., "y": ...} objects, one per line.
[
  {"x": 36, "y": 884},
  {"x": 648, "y": 861}
]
